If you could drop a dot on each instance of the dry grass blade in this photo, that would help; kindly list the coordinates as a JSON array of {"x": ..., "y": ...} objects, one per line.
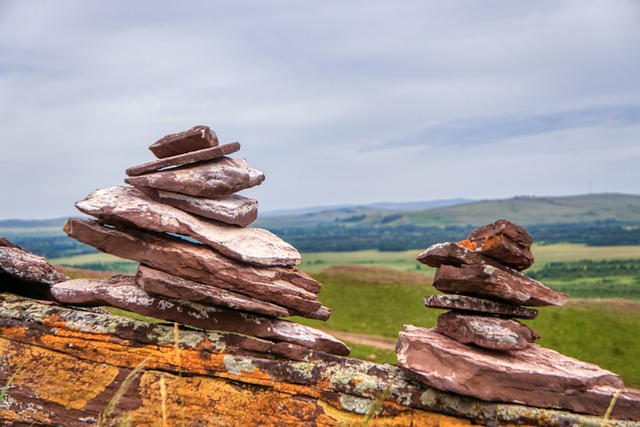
[
  {"x": 6, "y": 387},
  {"x": 163, "y": 394},
  {"x": 607, "y": 414},
  {"x": 102, "y": 421}
]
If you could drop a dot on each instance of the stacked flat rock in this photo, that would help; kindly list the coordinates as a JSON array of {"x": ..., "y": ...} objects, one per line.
[
  {"x": 484, "y": 289},
  {"x": 224, "y": 275},
  {"x": 478, "y": 348}
]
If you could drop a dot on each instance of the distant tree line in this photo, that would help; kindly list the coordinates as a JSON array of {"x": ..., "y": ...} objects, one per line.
[
  {"x": 569, "y": 270},
  {"x": 339, "y": 237},
  {"x": 52, "y": 246}
]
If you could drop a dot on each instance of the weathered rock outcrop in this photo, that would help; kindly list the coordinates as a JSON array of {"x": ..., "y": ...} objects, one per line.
[{"x": 70, "y": 365}]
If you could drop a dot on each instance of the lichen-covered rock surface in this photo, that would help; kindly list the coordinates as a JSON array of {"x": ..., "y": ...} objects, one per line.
[{"x": 69, "y": 365}]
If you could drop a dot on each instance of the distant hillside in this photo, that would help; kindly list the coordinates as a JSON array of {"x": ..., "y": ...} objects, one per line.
[
  {"x": 347, "y": 213},
  {"x": 535, "y": 210},
  {"x": 592, "y": 219},
  {"x": 521, "y": 210},
  {"x": 371, "y": 207}
]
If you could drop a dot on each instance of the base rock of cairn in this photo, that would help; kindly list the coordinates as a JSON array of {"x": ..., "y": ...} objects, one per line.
[
  {"x": 478, "y": 348},
  {"x": 226, "y": 276}
]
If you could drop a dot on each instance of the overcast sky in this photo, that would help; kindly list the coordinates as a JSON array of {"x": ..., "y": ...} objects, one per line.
[{"x": 337, "y": 102}]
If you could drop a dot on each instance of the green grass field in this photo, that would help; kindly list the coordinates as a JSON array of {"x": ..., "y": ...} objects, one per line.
[
  {"x": 598, "y": 331},
  {"x": 97, "y": 261},
  {"x": 406, "y": 260}
]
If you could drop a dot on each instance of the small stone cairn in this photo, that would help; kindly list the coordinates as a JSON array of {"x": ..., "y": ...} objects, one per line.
[
  {"x": 484, "y": 290},
  {"x": 224, "y": 275},
  {"x": 479, "y": 349}
]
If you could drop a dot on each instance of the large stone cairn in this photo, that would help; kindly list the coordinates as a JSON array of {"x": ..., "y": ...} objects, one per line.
[
  {"x": 224, "y": 275},
  {"x": 478, "y": 348}
]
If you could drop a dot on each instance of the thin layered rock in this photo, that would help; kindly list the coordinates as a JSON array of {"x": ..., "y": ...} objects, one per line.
[
  {"x": 285, "y": 286},
  {"x": 216, "y": 178},
  {"x": 511, "y": 285},
  {"x": 122, "y": 292},
  {"x": 196, "y": 138},
  {"x": 184, "y": 159},
  {"x": 25, "y": 273},
  {"x": 128, "y": 205},
  {"x": 156, "y": 282},
  {"x": 479, "y": 305},
  {"x": 233, "y": 209},
  {"x": 26, "y": 266},
  {"x": 494, "y": 283},
  {"x": 486, "y": 331}
]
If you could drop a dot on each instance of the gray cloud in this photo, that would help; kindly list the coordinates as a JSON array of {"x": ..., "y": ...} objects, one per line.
[{"x": 491, "y": 129}]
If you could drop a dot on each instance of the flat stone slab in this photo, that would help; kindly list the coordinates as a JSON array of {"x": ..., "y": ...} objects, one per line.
[
  {"x": 166, "y": 285},
  {"x": 122, "y": 292},
  {"x": 196, "y": 138},
  {"x": 486, "y": 281},
  {"x": 479, "y": 305},
  {"x": 535, "y": 376},
  {"x": 126, "y": 205},
  {"x": 234, "y": 209},
  {"x": 504, "y": 242},
  {"x": 213, "y": 179},
  {"x": 486, "y": 331},
  {"x": 27, "y": 266},
  {"x": 285, "y": 286},
  {"x": 25, "y": 273},
  {"x": 191, "y": 157}
]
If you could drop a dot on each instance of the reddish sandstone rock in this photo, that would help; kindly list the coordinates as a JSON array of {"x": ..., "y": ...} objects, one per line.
[
  {"x": 214, "y": 179},
  {"x": 196, "y": 138},
  {"x": 486, "y": 331},
  {"x": 122, "y": 292},
  {"x": 126, "y": 205},
  {"x": 25, "y": 273},
  {"x": 490, "y": 282},
  {"x": 479, "y": 305},
  {"x": 502, "y": 241},
  {"x": 191, "y": 157},
  {"x": 535, "y": 376},
  {"x": 285, "y": 286},
  {"x": 159, "y": 283},
  {"x": 233, "y": 209}
]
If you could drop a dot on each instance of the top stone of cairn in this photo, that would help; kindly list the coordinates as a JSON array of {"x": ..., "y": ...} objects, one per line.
[
  {"x": 502, "y": 241},
  {"x": 196, "y": 138}
]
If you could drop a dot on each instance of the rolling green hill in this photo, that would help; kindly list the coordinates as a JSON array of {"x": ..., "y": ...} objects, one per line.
[
  {"x": 536, "y": 210},
  {"x": 593, "y": 219},
  {"x": 520, "y": 210}
]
